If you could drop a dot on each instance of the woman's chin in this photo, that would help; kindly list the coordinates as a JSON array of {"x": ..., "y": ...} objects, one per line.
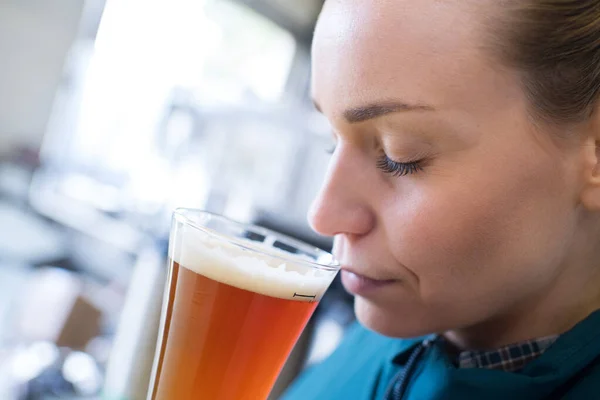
[{"x": 391, "y": 321}]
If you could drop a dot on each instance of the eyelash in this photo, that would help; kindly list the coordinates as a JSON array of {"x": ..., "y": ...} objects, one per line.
[
  {"x": 397, "y": 169},
  {"x": 394, "y": 168}
]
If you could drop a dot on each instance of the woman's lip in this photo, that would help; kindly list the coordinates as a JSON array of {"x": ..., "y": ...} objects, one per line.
[{"x": 360, "y": 284}]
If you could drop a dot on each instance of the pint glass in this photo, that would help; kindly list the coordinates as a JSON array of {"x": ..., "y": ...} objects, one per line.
[{"x": 237, "y": 299}]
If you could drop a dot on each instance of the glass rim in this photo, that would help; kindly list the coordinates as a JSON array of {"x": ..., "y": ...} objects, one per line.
[{"x": 180, "y": 215}]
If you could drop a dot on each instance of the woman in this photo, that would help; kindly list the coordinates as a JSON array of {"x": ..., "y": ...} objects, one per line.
[{"x": 464, "y": 195}]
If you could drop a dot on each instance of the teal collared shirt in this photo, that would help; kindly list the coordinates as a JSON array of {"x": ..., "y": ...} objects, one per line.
[{"x": 365, "y": 363}]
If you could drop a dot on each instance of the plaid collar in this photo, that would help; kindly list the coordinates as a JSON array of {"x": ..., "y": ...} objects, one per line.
[{"x": 508, "y": 358}]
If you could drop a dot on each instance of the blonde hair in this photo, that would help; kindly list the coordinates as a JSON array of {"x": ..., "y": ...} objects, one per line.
[{"x": 555, "y": 45}]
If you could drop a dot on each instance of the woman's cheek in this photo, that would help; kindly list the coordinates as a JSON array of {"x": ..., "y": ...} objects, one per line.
[{"x": 445, "y": 236}]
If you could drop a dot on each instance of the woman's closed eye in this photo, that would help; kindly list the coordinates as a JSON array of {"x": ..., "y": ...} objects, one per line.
[
  {"x": 391, "y": 167},
  {"x": 396, "y": 168}
]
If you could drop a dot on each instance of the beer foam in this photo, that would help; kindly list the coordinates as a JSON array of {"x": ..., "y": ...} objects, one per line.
[{"x": 253, "y": 271}]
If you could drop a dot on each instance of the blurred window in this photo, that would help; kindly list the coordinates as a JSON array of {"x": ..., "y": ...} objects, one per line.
[{"x": 150, "y": 60}]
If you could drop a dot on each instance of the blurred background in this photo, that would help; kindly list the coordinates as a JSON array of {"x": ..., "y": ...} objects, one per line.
[{"x": 112, "y": 114}]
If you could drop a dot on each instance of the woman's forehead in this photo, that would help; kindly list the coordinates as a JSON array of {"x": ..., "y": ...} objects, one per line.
[
  {"x": 423, "y": 51},
  {"x": 437, "y": 23}
]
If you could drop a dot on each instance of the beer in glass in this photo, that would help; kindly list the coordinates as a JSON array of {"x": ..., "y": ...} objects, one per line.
[{"x": 237, "y": 300}]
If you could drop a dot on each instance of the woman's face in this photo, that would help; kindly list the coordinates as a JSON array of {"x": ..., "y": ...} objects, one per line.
[{"x": 448, "y": 206}]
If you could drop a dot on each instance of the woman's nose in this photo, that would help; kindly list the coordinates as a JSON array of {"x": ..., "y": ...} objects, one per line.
[{"x": 342, "y": 205}]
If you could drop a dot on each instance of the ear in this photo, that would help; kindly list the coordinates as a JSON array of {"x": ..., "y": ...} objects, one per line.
[{"x": 590, "y": 152}]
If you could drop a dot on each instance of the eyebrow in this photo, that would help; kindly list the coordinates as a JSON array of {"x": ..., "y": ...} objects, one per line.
[{"x": 378, "y": 109}]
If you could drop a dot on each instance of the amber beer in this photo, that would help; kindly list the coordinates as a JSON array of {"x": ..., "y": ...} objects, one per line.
[{"x": 233, "y": 312}]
